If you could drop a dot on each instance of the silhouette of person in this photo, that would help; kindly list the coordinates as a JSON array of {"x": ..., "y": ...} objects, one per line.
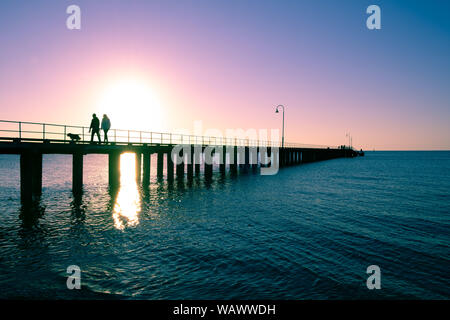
[
  {"x": 106, "y": 124},
  {"x": 95, "y": 128}
]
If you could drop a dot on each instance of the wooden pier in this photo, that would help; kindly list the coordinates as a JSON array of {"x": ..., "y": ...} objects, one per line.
[{"x": 234, "y": 154}]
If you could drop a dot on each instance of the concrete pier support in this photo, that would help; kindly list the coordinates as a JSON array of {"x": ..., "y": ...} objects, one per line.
[
  {"x": 246, "y": 159},
  {"x": 223, "y": 160},
  {"x": 275, "y": 160},
  {"x": 265, "y": 155},
  {"x": 197, "y": 155},
  {"x": 146, "y": 168},
  {"x": 208, "y": 170},
  {"x": 254, "y": 157},
  {"x": 180, "y": 166},
  {"x": 37, "y": 174},
  {"x": 114, "y": 169},
  {"x": 209, "y": 164},
  {"x": 281, "y": 157},
  {"x": 275, "y": 157},
  {"x": 26, "y": 178},
  {"x": 190, "y": 163},
  {"x": 138, "y": 167},
  {"x": 77, "y": 173},
  {"x": 160, "y": 165},
  {"x": 30, "y": 176},
  {"x": 169, "y": 166},
  {"x": 234, "y": 160}
]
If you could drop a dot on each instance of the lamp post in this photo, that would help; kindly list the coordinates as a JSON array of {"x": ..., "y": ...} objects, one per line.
[
  {"x": 349, "y": 140},
  {"x": 276, "y": 111}
]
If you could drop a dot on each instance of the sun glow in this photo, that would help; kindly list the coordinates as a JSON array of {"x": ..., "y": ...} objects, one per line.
[
  {"x": 131, "y": 104},
  {"x": 128, "y": 202}
]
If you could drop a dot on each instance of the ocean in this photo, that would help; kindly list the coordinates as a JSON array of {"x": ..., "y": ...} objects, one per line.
[{"x": 309, "y": 232}]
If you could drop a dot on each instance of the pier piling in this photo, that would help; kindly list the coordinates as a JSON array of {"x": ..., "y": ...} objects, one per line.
[
  {"x": 180, "y": 166},
  {"x": 37, "y": 173},
  {"x": 26, "y": 178},
  {"x": 77, "y": 173},
  {"x": 160, "y": 165},
  {"x": 138, "y": 167},
  {"x": 146, "y": 168},
  {"x": 254, "y": 158},
  {"x": 114, "y": 169},
  {"x": 233, "y": 159},
  {"x": 169, "y": 166},
  {"x": 190, "y": 164},
  {"x": 223, "y": 160},
  {"x": 197, "y": 156}
]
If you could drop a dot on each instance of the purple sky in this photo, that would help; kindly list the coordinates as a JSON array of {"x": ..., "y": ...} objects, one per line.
[{"x": 161, "y": 65}]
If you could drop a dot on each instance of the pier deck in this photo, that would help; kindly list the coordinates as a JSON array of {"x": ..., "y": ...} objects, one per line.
[{"x": 175, "y": 149}]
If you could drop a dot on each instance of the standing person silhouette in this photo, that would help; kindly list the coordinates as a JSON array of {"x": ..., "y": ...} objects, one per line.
[
  {"x": 95, "y": 128},
  {"x": 106, "y": 124}
]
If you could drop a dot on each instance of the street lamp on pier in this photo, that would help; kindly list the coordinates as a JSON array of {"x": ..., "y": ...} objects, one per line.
[{"x": 276, "y": 111}]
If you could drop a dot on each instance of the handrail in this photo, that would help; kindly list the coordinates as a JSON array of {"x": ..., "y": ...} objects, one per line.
[{"x": 47, "y": 131}]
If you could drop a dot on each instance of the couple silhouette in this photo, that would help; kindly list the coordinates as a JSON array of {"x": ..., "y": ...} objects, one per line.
[{"x": 95, "y": 127}]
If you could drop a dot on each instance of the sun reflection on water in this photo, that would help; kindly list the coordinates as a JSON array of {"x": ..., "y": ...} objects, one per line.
[{"x": 128, "y": 202}]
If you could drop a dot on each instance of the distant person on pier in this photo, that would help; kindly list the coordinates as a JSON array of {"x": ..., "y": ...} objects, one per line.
[
  {"x": 106, "y": 124},
  {"x": 95, "y": 128}
]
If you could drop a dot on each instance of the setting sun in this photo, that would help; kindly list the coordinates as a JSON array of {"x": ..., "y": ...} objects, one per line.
[{"x": 132, "y": 104}]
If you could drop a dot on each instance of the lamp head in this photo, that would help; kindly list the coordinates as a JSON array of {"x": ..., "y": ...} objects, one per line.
[{"x": 276, "y": 111}]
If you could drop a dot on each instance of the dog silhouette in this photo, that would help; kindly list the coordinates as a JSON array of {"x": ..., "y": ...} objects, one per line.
[{"x": 74, "y": 137}]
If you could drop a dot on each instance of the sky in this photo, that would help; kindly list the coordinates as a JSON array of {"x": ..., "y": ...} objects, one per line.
[{"x": 166, "y": 65}]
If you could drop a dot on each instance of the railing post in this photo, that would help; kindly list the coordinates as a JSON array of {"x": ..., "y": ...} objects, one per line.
[
  {"x": 128, "y": 136},
  {"x": 140, "y": 136},
  {"x": 43, "y": 131},
  {"x": 65, "y": 130},
  {"x": 115, "y": 135},
  {"x": 20, "y": 130}
]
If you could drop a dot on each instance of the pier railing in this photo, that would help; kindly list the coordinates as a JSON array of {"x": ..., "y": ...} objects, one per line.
[{"x": 57, "y": 133}]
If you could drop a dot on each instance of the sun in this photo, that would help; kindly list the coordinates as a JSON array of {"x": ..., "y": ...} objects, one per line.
[{"x": 131, "y": 104}]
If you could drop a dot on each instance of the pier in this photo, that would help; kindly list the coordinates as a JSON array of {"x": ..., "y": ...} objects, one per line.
[{"x": 32, "y": 140}]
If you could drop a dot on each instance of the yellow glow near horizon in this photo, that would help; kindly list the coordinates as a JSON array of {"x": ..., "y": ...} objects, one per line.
[
  {"x": 128, "y": 203},
  {"x": 131, "y": 104}
]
